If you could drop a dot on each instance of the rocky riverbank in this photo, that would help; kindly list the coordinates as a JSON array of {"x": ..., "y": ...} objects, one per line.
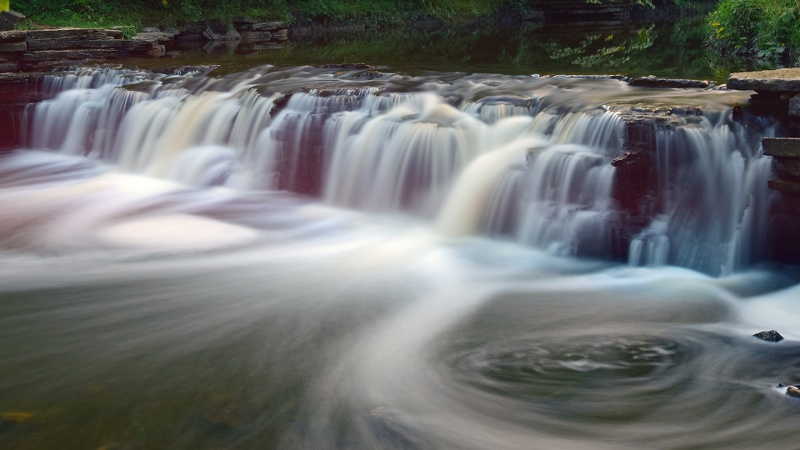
[{"x": 43, "y": 50}]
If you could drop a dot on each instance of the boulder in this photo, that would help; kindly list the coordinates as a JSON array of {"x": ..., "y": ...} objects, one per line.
[
  {"x": 10, "y": 19},
  {"x": 793, "y": 391},
  {"x": 769, "y": 336}
]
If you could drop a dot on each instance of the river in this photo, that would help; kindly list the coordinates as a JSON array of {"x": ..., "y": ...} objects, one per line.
[{"x": 289, "y": 256}]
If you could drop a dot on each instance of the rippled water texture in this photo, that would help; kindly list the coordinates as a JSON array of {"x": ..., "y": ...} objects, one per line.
[{"x": 172, "y": 293}]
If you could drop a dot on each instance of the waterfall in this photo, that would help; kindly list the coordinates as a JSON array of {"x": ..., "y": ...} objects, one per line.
[
  {"x": 515, "y": 158},
  {"x": 713, "y": 189}
]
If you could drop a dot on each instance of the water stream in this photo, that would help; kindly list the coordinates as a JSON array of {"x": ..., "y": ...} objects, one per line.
[{"x": 304, "y": 257}]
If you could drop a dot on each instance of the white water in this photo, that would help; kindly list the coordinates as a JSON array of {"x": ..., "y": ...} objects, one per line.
[
  {"x": 442, "y": 152},
  {"x": 161, "y": 290}
]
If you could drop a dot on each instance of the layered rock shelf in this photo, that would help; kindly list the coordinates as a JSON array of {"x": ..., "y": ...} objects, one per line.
[
  {"x": 43, "y": 50},
  {"x": 777, "y": 92}
]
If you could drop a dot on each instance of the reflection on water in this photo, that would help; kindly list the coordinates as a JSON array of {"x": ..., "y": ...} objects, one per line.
[{"x": 666, "y": 50}]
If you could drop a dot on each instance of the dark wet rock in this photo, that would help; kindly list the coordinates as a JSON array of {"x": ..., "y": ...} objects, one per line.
[
  {"x": 793, "y": 391},
  {"x": 9, "y": 20},
  {"x": 782, "y": 147},
  {"x": 785, "y": 153},
  {"x": 370, "y": 75},
  {"x": 769, "y": 336},
  {"x": 787, "y": 167},
  {"x": 347, "y": 66},
  {"x": 794, "y": 106},
  {"x": 654, "y": 82},
  {"x": 639, "y": 159},
  {"x": 780, "y": 80}
]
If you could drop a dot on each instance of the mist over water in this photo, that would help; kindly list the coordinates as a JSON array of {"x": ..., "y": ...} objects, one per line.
[{"x": 297, "y": 257}]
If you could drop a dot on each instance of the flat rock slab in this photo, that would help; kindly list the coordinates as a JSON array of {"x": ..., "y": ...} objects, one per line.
[
  {"x": 73, "y": 33},
  {"x": 13, "y": 36},
  {"x": 780, "y": 80},
  {"x": 781, "y": 147}
]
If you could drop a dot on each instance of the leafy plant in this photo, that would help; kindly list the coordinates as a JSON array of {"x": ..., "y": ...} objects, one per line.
[{"x": 762, "y": 31}]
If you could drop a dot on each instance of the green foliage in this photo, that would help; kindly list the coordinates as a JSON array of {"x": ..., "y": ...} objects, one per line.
[
  {"x": 455, "y": 10},
  {"x": 88, "y": 13},
  {"x": 760, "y": 31},
  {"x": 174, "y": 12}
]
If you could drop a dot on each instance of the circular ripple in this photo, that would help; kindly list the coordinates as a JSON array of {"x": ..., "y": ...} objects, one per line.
[{"x": 587, "y": 376}]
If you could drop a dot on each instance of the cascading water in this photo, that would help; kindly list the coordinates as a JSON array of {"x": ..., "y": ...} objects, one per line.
[
  {"x": 314, "y": 258},
  {"x": 533, "y": 166}
]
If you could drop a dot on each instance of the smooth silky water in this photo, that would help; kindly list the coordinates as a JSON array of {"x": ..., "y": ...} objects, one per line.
[{"x": 200, "y": 261}]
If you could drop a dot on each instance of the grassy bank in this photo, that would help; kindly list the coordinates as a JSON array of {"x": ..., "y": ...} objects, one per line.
[
  {"x": 757, "y": 32},
  {"x": 84, "y": 13}
]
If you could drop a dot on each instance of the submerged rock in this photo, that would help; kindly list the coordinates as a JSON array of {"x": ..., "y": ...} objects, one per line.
[{"x": 769, "y": 336}]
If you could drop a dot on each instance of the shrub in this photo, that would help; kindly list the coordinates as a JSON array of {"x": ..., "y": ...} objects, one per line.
[{"x": 763, "y": 30}]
